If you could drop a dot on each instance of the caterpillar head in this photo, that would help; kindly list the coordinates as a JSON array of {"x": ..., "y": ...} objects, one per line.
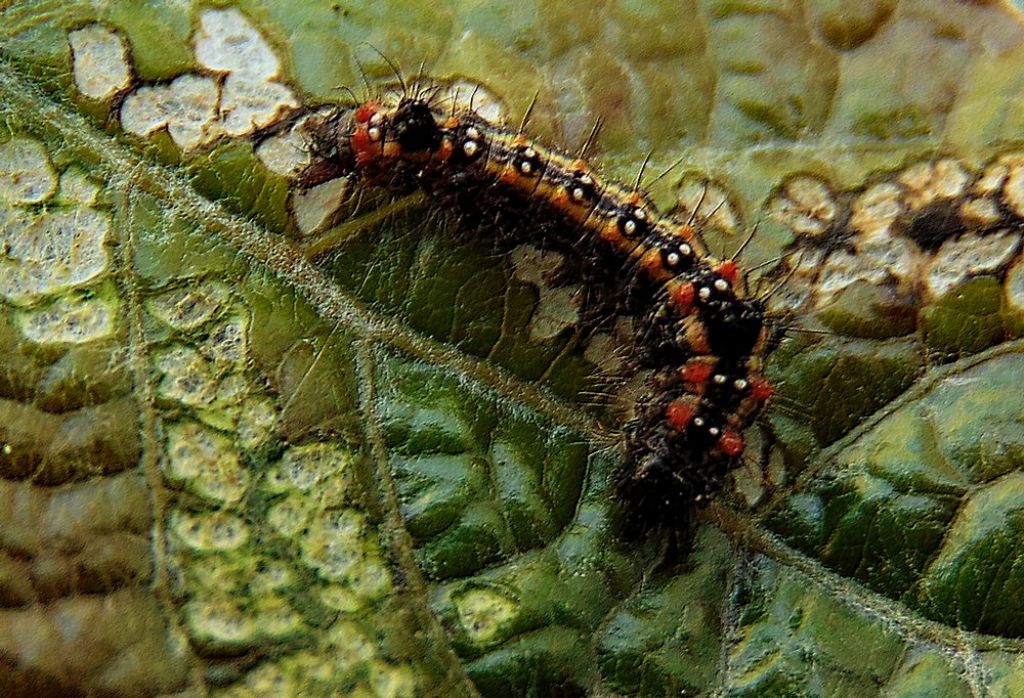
[{"x": 413, "y": 125}]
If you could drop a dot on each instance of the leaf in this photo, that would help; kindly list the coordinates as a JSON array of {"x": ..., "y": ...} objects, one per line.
[{"x": 228, "y": 466}]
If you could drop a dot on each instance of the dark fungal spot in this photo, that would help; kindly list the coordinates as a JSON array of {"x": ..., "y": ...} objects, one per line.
[{"x": 934, "y": 224}]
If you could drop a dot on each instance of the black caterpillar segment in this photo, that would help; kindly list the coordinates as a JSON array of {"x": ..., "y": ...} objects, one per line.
[{"x": 705, "y": 337}]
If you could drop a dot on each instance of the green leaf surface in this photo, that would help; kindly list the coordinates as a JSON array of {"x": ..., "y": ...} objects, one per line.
[{"x": 231, "y": 467}]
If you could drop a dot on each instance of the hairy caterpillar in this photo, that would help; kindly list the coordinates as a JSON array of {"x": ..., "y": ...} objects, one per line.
[{"x": 704, "y": 335}]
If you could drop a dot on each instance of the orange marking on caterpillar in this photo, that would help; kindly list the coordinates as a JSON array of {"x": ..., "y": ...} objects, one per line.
[
  {"x": 682, "y": 295},
  {"x": 696, "y": 372},
  {"x": 364, "y": 147},
  {"x": 761, "y": 390},
  {"x": 727, "y": 269},
  {"x": 679, "y": 414},
  {"x": 365, "y": 111},
  {"x": 731, "y": 443}
]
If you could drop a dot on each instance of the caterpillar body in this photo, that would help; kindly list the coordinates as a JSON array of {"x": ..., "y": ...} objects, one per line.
[{"x": 704, "y": 334}]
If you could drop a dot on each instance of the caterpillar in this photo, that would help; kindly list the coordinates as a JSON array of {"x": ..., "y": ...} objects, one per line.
[{"x": 704, "y": 334}]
